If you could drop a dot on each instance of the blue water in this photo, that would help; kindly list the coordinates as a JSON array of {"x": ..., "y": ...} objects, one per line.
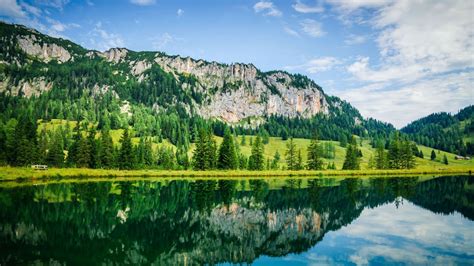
[{"x": 320, "y": 221}]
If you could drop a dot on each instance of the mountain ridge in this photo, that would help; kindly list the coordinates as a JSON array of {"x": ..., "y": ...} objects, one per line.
[{"x": 54, "y": 71}]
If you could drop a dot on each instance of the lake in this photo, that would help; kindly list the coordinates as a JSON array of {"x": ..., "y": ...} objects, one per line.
[{"x": 391, "y": 221}]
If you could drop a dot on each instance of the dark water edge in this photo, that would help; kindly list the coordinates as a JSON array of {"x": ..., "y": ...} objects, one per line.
[{"x": 389, "y": 220}]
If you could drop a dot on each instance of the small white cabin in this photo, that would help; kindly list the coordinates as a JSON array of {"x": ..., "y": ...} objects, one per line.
[{"x": 39, "y": 167}]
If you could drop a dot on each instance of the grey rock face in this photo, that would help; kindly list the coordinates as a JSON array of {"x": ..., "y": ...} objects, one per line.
[
  {"x": 251, "y": 94},
  {"x": 45, "y": 52},
  {"x": 115, "y": 54}
]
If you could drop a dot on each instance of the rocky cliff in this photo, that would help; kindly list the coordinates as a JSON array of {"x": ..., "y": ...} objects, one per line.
[{"x": 230, "y": 93}]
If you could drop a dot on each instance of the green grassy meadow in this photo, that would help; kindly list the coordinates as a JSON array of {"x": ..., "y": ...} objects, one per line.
[{"x": 423, "y": 166}]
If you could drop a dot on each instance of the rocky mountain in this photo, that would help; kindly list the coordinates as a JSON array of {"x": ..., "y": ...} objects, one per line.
[
  {"x": 229, "y": 93},
  {"x": 60, "y": 79}
]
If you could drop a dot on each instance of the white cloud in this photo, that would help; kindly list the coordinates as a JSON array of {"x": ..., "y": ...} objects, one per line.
[
  {"x": 291, "y": 31},
  {"x": 387, "y": 101},
  {"x": 316, "y": 65},
  {"x": 267, "y": 8},
  {"x": 349, "y": 6},
  {"x": 143, "y": 2},
  {"x": 10, "y": 8},
  {"x": 303, "y": 8},
  {"x": 180, "y": 12},
  {"x": 312, "y": 28},
  {"x": 426, "y": 59},
  {"x": 103, "y": 40},
  {"x": 31, "y": 9},
  {"x": 161, "y": 42},
  {"x": 355, "y": 39},
  {"x": 321, "y": 64},
  {"x": 58, "y": 4}
]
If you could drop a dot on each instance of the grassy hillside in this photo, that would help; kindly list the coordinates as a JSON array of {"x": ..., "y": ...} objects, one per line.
[{"x": 277, "y": 144}]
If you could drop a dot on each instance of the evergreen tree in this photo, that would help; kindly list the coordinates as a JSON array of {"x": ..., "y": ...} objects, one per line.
[
  {"x": 55, "y": 155},
  {"x": 290, "y": 155},
  {"x": 74, "y": 148},
  {"x": 83, "y": 155},
  {"x": 445, "y": 160},
  {"x": 106, "y": 149},
  {"x": 148, "y": 155},
  {"x": 182, "y": 158},
  {"x": 395, "y": 158},
  {"x": 10, "y": 141},
  {"x": 204, "y": 156},
  {"x": 227, "y": 156},
  {"x": 433, "y": 155},
  {"x": 380, "y": 156},
  {"x": 166, "y": 158},
  {"x": 343, "y": 141},
  {"x": 407, "y": 157},
  {"x": 243, "y": 161},
  {"x": 314, "y": 155},
  {"x": 275, "y": 161},
  {"x": 299, "y": 161},
  {"x": 126, "y": 157},
  {"x": 93, "y": 146},
  {"x": 200, "y": 160},
  {"x": 352, "y": 160},
  {"x": 256, "y": 160},
  {"x": 25, "y": 149},
  {"x": 284, "y": 134}
]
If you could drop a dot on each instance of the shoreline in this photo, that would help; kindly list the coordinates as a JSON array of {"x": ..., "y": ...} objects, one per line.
[{"x": 24, "y": 173}]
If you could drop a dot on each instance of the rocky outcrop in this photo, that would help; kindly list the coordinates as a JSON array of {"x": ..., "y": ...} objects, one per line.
[
  {"x": 45, "y": 51},
  {"x": 138, "y": 67},
  {"x": 243, "y": 92},
  {"x": 26, "y": 88},
  {"x": 115, "y": 55}
]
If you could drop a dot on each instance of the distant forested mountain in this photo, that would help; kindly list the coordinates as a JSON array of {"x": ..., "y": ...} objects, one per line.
[{"x": 444, "y": 131}]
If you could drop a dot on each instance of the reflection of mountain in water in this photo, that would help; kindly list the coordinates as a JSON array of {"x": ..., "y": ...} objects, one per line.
[{"x": 195, "y": 222}]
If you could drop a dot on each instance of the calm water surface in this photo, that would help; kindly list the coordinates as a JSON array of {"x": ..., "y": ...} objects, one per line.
[{"x": 409, "y": 220}]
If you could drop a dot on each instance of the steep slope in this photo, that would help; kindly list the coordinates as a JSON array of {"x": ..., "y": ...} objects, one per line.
[{"x": 444, "y": 131}]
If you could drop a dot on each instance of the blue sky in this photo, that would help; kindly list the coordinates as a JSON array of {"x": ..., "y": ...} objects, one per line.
[{"x": 394, "y": 60}]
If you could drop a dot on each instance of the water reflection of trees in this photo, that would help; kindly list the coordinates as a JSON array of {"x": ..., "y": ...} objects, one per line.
[{"x": 199, "y": 221}]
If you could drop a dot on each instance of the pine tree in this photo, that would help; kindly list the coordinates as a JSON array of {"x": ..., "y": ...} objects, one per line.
[
  {"x": 275, "y": 161},
  {"x": 148, "y": 154},
  {"x": 407, "y": 157},
  {"x": 352, "y": 160},
  {"x": 290, "y": 154},
  {"x": 314, "y": 155},
  {"x": 256, "y": 160},
  {"x": 93, "y": 146},
  {"x": 227, "y": 156},
  {"x": 74, "y": 148},
  {"x": 433, "y": 155},
  {"x": 83, "y": 155},
  {"x": 55, "y": 155},
  {"x": 126, "y": 157},
  {"x": 395, "y": 158},
  {"x": 106, "y": 149},
  {"x": 25, "y": 147},
  {"x": 445, "y": 160},
  {"x": 380, "y": 157},
  {"x": 205, "y": 153},
  {"x": 299, "y": 161}
]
